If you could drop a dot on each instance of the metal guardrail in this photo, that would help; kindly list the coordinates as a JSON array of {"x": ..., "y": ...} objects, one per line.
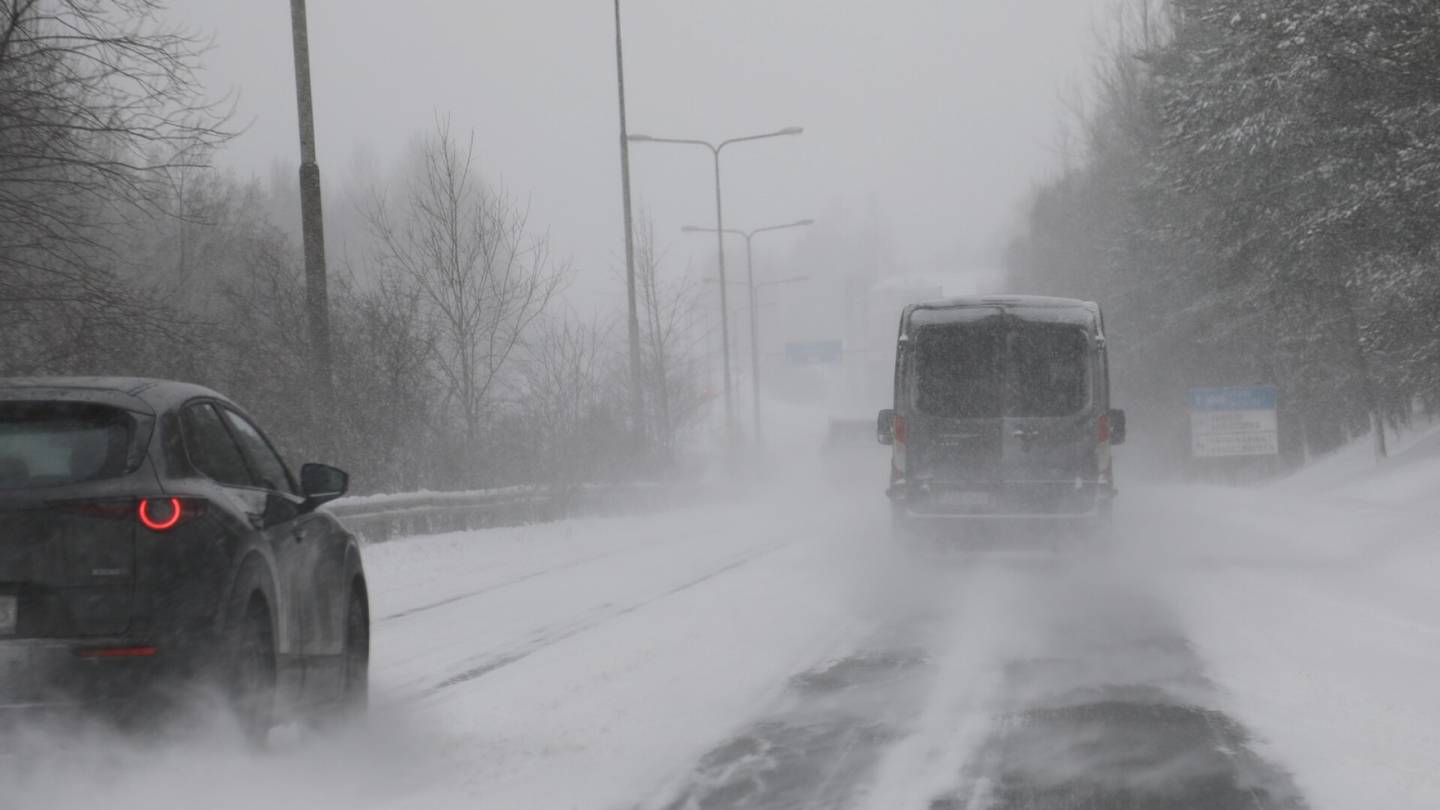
[{"x": 381, "y": 518}]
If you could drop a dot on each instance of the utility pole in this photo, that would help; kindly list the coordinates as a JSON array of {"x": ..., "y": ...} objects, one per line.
[
  {"x": 312, "y": 220},
  {"x": 637, "y": 395},
  {"x": 724, "y": 305},
  {"x": 754, "y": 339}
]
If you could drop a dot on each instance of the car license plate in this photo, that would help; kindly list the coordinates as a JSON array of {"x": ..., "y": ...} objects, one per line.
[
  {"x": 966, "y": 500},
  {"x": 7, "y": 615}
]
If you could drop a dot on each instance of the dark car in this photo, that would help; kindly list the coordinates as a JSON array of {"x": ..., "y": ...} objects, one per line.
[
  {"x": 1002, "y": 413},
  {"x": 153, "y": 540}
]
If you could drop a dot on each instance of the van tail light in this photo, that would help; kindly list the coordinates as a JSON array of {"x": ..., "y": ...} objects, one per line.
[
  {"x": 1104, "y": 428},
  {"x": 164, "y": 514},
  {"x": 900, "y": 430}
]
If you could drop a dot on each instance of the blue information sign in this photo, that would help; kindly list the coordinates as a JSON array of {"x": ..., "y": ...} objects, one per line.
[
  {"x": 1234, "y": 421},
  {"x": 1250, "y": 398}
]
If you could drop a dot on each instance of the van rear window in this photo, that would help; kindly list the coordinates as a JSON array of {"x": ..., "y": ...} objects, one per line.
[
  {"x": 959, "y": 371},
  {"x": 996, "y": 368},
  {"x": 44, "y": 444},
  {"x": 1048, "y": 371}
]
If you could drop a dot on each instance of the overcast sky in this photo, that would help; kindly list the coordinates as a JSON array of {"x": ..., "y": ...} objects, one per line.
[{"x": 941, "y": 112}]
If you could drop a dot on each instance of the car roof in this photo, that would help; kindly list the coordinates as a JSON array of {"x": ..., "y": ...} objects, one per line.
[
  {"x": 143, "y": 394},
  {"x": 1031, "y": 307}
]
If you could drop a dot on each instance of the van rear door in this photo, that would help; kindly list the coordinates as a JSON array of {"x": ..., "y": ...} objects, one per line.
[
  {"x": 1049, "y": 435},
  {"x": 954, "y": 430}
]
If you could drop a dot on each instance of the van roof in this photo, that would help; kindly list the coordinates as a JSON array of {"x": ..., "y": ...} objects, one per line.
[{"x": 1031, "y": 307}]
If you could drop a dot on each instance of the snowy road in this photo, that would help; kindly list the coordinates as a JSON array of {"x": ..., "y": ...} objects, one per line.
[{"x": 1232, "y": 649}]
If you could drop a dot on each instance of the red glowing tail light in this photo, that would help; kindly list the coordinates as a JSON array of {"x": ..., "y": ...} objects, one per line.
[
  {"x": 118, "y": 652},
  {"x": 1104, "y": 428},
  {"x": 156, "y": 514},
  {"x": 164, "y": 514},
  {"x": 902, "y": 433}
]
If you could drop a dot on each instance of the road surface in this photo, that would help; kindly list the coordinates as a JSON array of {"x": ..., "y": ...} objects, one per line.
[{"x": 777, "y": 651}]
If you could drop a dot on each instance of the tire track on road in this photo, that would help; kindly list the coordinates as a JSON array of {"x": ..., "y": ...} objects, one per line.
[
  {"x": 527, "y": 577},
  {"x": 1113, "y": 710},
  {"x": 558, "y": 633}
]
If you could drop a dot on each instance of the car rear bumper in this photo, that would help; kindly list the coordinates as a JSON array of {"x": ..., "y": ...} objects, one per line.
[{"x": 41, "y": 675}]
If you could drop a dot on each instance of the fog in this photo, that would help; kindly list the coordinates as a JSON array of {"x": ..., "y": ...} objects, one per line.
[
  {"x": 1136, "y": 509},
  {"x": 941, "y": 115}
]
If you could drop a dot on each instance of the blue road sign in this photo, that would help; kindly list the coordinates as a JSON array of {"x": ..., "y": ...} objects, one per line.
[
  {"x": 1234, "y": 422},
  {"x": 1249, "y": 398}
]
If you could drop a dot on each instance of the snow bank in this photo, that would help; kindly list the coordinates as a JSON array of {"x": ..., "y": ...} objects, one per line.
[{"x": 1315, "y": 603}]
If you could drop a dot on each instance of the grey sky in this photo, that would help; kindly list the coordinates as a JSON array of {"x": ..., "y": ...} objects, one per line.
[{"x": 942, "y": 111}]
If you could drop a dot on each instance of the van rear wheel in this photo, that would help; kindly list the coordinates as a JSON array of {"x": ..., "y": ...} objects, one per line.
[{"x": 916, "y": 538}]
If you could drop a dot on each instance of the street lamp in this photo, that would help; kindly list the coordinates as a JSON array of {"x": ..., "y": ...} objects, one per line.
[
  {"x": 754, "y": 308},
  {"x": 637, "y": 396},
  {"x": 312, "y": 227},
  {"x": 715, "y": 150}
]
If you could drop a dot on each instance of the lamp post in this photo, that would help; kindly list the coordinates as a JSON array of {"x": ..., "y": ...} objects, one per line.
[
  {"x": 754, "y": 301},
  {"x": 312, "y": 222},
  {"x": 715, "y": 150},
  {"x": 637, "y": 397}
]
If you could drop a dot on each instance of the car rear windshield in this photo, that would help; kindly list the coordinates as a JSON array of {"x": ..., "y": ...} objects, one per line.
[
  {"x": 1001, "y": 367},
  {"x": 45, "y": 444}
]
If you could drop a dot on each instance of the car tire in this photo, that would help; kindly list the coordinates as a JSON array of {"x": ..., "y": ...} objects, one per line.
[
  {"x": 351, "y": 701},
  {"x": 355, "y": 686},
  {"x": 250, "y": 675}
]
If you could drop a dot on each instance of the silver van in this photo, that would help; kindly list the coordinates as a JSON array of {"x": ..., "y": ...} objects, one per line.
[{"x": 1002, "y": 412}]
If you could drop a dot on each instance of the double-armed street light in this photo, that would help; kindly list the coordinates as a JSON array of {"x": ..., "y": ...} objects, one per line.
[
  {"x": 754, "y": 301},
  {"x": 715, "y": 150}
]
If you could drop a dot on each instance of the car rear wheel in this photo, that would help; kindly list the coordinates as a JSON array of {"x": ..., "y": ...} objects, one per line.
[
  {"x": 352, "y": 700},
  {"x": 355, "y": 695},
  {"x": 250, "y": 682}
]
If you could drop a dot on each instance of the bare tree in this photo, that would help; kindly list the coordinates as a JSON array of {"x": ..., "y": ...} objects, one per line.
[
  {"x": 567, "y": 402},
  {"x": 98, "y": 99},
  {"x": 385, "y": 381},
  {"x": 669, "y": 335},
  {"x": 469, "y": 249}
]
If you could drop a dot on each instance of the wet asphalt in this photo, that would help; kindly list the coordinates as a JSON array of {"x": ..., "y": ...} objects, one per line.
[{"x": 1108, "y": 708}]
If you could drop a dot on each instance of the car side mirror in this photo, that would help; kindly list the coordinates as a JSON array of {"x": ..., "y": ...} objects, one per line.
[
  {"x": 322, "y": 483},
  {"x": 1116, "y": 418},
  {"x": 885, "y": 427}
]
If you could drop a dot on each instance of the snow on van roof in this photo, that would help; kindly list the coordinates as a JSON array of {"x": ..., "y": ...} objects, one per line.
[{"x": 1034, "y": 307}]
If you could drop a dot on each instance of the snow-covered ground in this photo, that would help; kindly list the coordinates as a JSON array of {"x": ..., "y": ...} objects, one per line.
[
  {"x": 1315, "y": 603},
  {"x": 654, "y": 661}
]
